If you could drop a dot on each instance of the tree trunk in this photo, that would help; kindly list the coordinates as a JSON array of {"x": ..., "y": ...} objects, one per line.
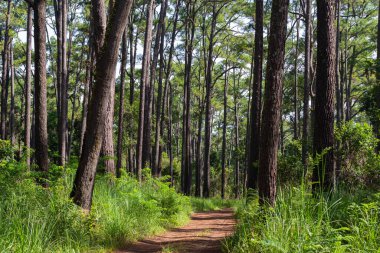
[
  {"x": 160, "y": 36},
  {"x": 149, "y": 93},
  {"x": 86, "y": 96},
  {"x": 124, "y": 53},
  {"x": 210, "y": 63},
  {"x": 170, "y": 134},
  {"x": 272, "y": 103},
  {"x": 186, "y": 127},
  {"x": 40, "y": 92},
  {"x": 306, "y": 88},
  {"x": 132, "y": 51},
  {"x": 97, "y": 113},
  {"x": 254, "y": 148},
  {"x": 77, "y": 81},
  {"x": 377, "y": 88},
  {"x": 141, "y": 148},
  {"x": 224, "y": 141},
  {"x": 295, "y": 88},
  {"x": 4, "y": 86},
  {"x": 324, "y": 172},
  {"x": 12, "y": 109},
  {"x": 236, "y": 140},
  {"x": 28, "y": 88}
]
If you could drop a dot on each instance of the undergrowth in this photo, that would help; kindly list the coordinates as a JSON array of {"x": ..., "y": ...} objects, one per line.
[
  {"x": 301, "y": 222},
  {"x": 37, "y": 219}
]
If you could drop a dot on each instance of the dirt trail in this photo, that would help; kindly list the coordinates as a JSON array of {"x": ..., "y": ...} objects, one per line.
[{"x": 203, "y": 234}]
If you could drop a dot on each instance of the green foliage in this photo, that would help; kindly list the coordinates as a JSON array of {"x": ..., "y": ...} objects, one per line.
[
  {"x": 290, "y": 168},
  {"x": 302, "y": 223},
  {"x": 360, "y": 162},
  {"x": 37, "y": 219}
]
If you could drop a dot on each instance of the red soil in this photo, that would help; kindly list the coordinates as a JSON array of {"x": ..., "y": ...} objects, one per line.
[{"x": 203, "y": 234}]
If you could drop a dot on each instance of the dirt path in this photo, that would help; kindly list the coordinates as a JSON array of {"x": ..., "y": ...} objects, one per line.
[{"x": 203, "y": 234}]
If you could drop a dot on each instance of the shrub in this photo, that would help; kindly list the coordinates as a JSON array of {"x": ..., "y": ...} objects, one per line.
[{"x": 360, "y": 163}]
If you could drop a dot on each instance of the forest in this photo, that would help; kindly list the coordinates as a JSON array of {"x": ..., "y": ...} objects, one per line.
[{"x": 190, "y": 126}]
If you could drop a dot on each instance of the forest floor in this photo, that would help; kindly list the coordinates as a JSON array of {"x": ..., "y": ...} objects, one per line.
[{"x": 204, "y": 233}]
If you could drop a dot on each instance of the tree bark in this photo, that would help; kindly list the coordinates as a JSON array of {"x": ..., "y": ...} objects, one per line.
[
  {"x": 124, "y": 52},
  {"x": 295, "y": 87},
  {"x": 149, "y": 92},
  {"x": 28, "y": 88},
  {"x": 272, "y": 103},
  {"x": 224, "y": 141},
  {"x": 236, "y": 139},
  {"x": 160, "y": 36},
  {"x": 210, "y": 63},
  {"x": 306, "y": 88},
  {"x": 97, "y": 113},
  {"x": 142, "y": 158},
  {"x": 186, "y": 174},
  {"x": 254, "y": 148},
  {"x": 377, "y": 88},
  {"x": 12, "y": 108},
  {"x": 324, "y": 172},
  {"x": 4, "y": 85},
  {"x": 40, "y": 92}
]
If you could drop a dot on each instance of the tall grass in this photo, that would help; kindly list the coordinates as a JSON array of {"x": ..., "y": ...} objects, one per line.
[
  {"x": 37, "y": 219},
  {"x": 301, "y": 222}
]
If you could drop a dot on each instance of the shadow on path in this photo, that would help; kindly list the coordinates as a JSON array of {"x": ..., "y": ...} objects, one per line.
[{"x": 203, "y": 234}]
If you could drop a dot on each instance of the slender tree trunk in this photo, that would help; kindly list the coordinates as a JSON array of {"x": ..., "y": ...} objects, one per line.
[
  {"x": 28, "y": 80},
  {"x": 272, "y": 103},
  {"x": 124, "y": 52},
  {"x": 149, "y": 93},
  {"x": 324, "y": 172},
  {"x": 160, "y": 36},
  {"x": 207, "y": 150},
  {"x": 377, "y": 88},
  {"x": 142, "y": 156},
  {"x": 349, "y": 85},
  {"x": 295, "y": 88},
  {"x": 224, "y": 141},
  {"x": 132, "y": 57},
  {"x": 77, "y": 81},
  {"x": 339, "y": 109},
  {"x": 306, "y": 88},
  {"x": 40, "y": 92},
  {"x": 170, "y": 134},
  {"x": 236, "y": 140},
  {"x": 4, "y": 86},
  {"x": 107, "y": 151},
  {"x": 254, "y": 148},
  {"x": 186, "y": 127},
  {"x": 86, "y": 96},
  {"x": 97, "y": 113},
  {"x": 12, "y": 109}
]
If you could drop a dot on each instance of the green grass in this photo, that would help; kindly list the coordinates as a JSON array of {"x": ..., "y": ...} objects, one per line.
[
  {"x": 299, "y": 222},
  {"x": 35, "y": 219}
]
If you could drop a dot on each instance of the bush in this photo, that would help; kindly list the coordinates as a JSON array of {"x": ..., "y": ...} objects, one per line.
[
  {"x": 290, "y": 168},
  {"x": 360, "y": 163}
]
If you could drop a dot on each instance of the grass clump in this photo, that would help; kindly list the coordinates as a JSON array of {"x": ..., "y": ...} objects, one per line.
[
  {"x": 37, "y": 219},
  {"x": 302, "y": 223}
]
